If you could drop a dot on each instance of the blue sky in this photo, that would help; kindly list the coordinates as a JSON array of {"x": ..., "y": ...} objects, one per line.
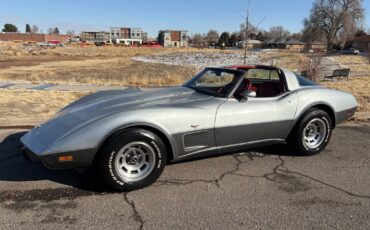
[{"x": 196, "y": 16}]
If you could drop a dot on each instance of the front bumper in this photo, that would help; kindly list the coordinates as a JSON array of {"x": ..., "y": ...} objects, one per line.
[{"x": 80, "y": 158}]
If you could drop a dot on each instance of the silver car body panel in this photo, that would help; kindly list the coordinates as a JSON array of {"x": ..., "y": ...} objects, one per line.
[{"x": 193, "y": 123}]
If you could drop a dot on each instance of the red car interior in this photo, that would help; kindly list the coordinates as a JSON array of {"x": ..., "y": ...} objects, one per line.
[
  {"x": 263, "y": 89},
  {"x": 268, "y": 89}
]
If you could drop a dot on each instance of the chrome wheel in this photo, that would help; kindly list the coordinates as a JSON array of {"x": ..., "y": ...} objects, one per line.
[
  {"x": 135, "y": 161},
  {"x": 314, "y": 133}
]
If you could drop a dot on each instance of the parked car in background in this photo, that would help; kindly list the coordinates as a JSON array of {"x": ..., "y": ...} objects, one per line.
[
  {"x": 131, "y": 135},
  {"x": 351, "y": 51},
  {"x": 307, "y": 51}
]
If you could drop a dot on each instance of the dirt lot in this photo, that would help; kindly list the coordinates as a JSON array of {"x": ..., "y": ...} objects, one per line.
[
  {"x": 114, "y": 66},
  {"x": 89, "y": 65}
]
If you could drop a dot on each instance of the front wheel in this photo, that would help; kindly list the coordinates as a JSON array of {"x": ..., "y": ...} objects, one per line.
[
  {"x": 132, "y": 160},
  {"x": 312, "y": 133}
]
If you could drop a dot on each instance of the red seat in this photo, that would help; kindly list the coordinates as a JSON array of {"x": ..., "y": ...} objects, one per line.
[
  {"x": 253, "y": 88},
  {"x": 268, "y": 89}
]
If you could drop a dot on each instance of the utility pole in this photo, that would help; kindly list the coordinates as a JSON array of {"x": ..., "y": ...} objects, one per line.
[
  {"x": 246, "y": 33},
  {"x": 248, "y": 28}
]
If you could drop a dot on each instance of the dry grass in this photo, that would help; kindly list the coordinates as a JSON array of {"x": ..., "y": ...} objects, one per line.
[
  {"x": 91, "y": 65},
  {"x": 107, "y": 65},
  {"x": 23, "y": 105},
  {"x": 359, "y": 65},
  {"x": 359, "y": 87},
  {"x": 112, "y": 71},
  {"x": 293, "y": 61},
  {"x": 8, "y": 49}
]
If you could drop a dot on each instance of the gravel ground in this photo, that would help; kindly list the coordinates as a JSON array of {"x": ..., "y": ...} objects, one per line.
[{"x": 199, "y": 60}]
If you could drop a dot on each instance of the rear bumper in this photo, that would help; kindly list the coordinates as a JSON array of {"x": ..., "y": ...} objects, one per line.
[{"x": 80, "y": 158}]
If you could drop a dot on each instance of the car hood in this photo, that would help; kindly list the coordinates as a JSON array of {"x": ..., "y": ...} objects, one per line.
[
  {"x": 86, "y": 110},
  {"x": 108, "y": 102}
]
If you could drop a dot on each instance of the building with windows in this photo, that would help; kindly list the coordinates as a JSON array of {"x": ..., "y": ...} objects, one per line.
[
  {"x": 283, "y": 43},
  {"x": 94, "y": 36},
  {"x": 127, "y": 36},
  {"x": 173, "y": 38}
]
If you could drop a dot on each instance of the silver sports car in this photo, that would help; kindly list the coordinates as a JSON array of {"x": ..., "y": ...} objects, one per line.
[{"x": 130, "y": 135}]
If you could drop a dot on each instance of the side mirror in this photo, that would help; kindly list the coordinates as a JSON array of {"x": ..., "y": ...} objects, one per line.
[{"x": 247, "y": 94}]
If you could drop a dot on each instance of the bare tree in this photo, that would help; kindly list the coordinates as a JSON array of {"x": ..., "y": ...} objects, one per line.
[
  {"x": 330, "y": 16},
  {"x": 34, "y": 29},
  {"x": 54, "y": 30},
  {"x": 298, "y": 36},
  {"x": 198, "y": 41},
  {"x": 70, "y": 32},
  {"x": 310, "y": 33},
  {"x": 278, "y": 32},
  {"x": 50, "y": 30},
  {"x": 347, "y": 32},
  {"x": 313, "y": 70},
  {"x": 212, "y": 37}
]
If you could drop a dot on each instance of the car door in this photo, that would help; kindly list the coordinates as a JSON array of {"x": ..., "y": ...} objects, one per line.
[{"x": 255, "y": 119}]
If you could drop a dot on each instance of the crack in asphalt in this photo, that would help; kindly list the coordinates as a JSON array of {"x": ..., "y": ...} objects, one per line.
[
  {"x": 214, "y": 181},
  {"x": 136, "y": 215},
  {"x": 327, "y": 184},
  {"x": 280, "y": 169}
]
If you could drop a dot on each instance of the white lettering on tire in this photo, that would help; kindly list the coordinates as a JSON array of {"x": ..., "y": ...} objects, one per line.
[
  {"x": 110, "y": 166},
  {"x": 159, "y": 154},
  {"x": 328, "y": 129}
]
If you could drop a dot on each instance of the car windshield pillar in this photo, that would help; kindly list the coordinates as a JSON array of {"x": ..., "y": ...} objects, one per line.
[{"x": 218, "y": 82}]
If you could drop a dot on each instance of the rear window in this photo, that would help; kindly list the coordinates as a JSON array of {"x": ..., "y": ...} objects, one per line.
[
  {"x": 304, "y": 81},
  {"x": 263, "y": 74}
]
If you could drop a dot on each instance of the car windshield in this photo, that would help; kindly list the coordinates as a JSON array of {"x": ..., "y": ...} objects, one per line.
[{"x": 215, "y": 82}]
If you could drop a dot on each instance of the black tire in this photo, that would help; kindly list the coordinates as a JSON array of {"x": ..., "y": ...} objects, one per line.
[
  {"x": 297, "y": 139},
  {"x": 110, "y": 156}
]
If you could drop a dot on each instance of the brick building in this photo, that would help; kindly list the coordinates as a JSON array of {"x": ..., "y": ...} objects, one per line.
[
  {"x": 94, "y": 36},
  {"x": 362, "y": 43},
  {"x": 173, "y": 38},
  {"x": 283, "y": 43},
  {"x": 29, "y": 37}
]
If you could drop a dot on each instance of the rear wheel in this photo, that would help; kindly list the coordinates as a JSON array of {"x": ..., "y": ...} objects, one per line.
[
  {"x": 132, "y": 160},
  {"x": 312, "y": 133}
]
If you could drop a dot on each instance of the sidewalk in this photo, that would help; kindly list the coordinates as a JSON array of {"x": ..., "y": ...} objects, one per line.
[{"x": 61, "y": 87}]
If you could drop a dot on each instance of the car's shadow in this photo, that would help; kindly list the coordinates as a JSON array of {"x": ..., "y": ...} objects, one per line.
[{"x": 14, "y": 168}]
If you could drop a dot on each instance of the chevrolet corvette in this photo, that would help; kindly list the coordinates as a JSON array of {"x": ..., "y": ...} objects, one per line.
[{"x": 132, "y": 134}]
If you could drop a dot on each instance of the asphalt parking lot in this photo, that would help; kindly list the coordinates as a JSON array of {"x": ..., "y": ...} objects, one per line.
[{"x": 263, "y": 189}]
